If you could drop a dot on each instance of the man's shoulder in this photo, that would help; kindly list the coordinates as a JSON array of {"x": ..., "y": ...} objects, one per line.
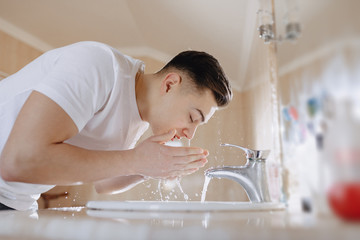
[
  {"x": 96, "y": 55},
  {"x": 89, "y": 47},
  {"x": 98, "y": 49},
  {"x": 92, "y": 46}
]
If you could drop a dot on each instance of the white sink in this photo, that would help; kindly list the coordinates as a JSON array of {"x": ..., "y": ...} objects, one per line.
[{"x": 189, "y": 206}]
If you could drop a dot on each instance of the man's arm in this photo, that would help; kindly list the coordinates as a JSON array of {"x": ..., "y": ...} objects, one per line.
[
  {"x": 118, "y": 184},
  {"x": 36, "y": 153}
]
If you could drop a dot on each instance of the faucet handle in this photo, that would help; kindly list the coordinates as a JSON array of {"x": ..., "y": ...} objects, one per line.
[{"x": 251, "y": 154}]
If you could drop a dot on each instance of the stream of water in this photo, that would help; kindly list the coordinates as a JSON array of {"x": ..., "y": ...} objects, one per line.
[{"x": 206, "y": 184}]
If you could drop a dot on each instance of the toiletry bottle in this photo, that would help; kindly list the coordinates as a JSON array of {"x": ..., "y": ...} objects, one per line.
[{"x": 343, "y": 151}]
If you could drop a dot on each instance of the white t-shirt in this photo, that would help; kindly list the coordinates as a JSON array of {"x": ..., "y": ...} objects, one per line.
[{"x": 94, "y": 84}]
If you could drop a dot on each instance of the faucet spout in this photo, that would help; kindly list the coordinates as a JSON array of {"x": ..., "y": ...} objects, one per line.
[{"x": 252, "y": 176}]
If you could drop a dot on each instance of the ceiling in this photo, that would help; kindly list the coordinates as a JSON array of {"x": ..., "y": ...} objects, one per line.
[{"x": 158, "y": 29}]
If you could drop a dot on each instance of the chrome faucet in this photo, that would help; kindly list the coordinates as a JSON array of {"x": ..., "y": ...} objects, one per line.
[{"x": 252, "y": 176}]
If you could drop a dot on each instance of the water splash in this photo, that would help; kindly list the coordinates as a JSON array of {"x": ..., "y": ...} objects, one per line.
[
  {"x": 185, "y": 142},
  {"x": 159, "y": 189},
  {"x": 186, "y": 197}
]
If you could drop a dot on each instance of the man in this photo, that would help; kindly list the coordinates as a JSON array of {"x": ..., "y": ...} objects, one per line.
[{"x": 75, "y": 113}]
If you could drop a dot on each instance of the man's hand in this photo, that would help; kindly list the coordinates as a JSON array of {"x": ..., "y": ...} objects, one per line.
[{"x": 153, "y": 159}]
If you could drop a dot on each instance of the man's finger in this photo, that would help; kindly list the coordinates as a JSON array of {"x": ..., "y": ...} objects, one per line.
[
  {"x": 184, "y": 151},
  {"x": 183, "y": 160}
]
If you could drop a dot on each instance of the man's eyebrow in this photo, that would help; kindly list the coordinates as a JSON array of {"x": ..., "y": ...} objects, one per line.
[{"x": 202, "y": 115}]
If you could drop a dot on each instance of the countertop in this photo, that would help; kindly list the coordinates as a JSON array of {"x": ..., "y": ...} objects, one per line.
[{"x": 83, "y": 223}]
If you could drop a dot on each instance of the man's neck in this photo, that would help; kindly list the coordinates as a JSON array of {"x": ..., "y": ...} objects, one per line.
[{"x": 143, "y": 94}]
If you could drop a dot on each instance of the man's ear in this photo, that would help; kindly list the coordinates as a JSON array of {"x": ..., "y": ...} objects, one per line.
[{"x": 170, "y": 81}]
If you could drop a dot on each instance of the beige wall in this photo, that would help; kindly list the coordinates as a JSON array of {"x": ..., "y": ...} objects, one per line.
[
  {"x": 323, "y": 59},
  {"x": 235, "y": 124},
  {"x": 228, "y": 125},
  {"x": 322, "y": 78},
  {"x": 246, "y": 122},
  {"x": 254, "y": 116},
  {"x": 15, "y": 54}
]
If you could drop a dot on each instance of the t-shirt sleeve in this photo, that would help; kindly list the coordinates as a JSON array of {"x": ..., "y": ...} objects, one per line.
[{"x": 79, "y": 80}]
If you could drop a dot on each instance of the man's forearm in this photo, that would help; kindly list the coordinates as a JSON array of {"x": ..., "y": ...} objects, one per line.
[
  {"x": 35, "y": 151},
  {"x": 118, "y": 184},
  {"x": 59, "y": 164}
]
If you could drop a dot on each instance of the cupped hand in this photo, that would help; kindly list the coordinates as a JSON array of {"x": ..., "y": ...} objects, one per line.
[{"x": 152, "y": 158}]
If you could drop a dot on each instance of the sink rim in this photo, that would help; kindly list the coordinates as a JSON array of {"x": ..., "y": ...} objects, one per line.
[{"x": 193, "y": 206}]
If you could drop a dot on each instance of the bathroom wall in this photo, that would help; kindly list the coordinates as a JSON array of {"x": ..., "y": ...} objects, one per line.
[
  {"x": 14, "y": 54},
  {"x": 316, "y": 73},
  {"x": 3, "y": 75},
  {"x": 310, "y": 98},
  {"x": 233, "y": 125},
  {"x": 284, "y": 83},
  {"x": 247, "y": 121}
]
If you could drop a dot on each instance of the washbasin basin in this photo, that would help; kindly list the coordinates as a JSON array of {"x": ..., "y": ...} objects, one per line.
[
  {"x": 181, "y": 214},
  {"x": 182, "y": 206}
]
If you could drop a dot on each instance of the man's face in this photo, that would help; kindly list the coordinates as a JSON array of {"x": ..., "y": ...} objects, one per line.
[{"x": 183, "y": 111}]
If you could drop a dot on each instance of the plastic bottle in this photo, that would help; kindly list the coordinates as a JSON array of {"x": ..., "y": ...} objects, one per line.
[{"x": 343, "y": 151}]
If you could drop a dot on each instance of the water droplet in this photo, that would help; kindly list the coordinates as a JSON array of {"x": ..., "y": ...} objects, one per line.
[
  {"x": 159, "y": 189},
  {"x": 186, "y": 197}
]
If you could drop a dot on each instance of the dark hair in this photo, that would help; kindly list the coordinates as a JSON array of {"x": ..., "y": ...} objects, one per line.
[{"x": 205, "y": 71}]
